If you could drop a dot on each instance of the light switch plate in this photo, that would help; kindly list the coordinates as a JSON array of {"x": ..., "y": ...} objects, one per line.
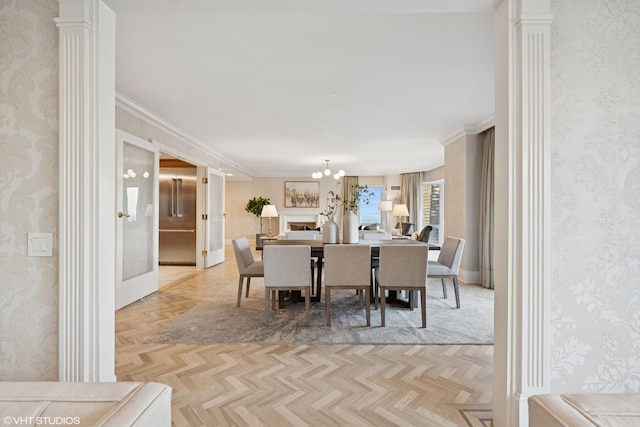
[{"x": 40, "y": 244}]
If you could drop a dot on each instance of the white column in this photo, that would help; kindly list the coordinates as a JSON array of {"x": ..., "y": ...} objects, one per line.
[
  {"x": 87, "y": 191},
  {"x": 521, "y": 362}
]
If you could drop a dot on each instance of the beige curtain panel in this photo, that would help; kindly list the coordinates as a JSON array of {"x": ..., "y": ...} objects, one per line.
[{"x": 487, "y": 209}]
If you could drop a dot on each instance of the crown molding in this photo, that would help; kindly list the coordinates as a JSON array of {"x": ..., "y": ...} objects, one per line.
[
  {"x": 470, "y": 129},
  {"x": 151, "y": 118}
]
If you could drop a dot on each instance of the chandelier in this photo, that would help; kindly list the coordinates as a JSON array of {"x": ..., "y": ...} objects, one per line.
[{"x": 327, "y": 172}]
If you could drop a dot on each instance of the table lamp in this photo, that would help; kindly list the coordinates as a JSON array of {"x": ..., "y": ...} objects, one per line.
[
  {"x": 269, "y": 211},
  {"x": 400, "y": 210}
]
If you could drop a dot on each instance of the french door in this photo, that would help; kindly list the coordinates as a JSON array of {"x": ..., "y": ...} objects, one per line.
[
  {"x": 213, "y": 216},
  {"x": 137, "y": 223}
]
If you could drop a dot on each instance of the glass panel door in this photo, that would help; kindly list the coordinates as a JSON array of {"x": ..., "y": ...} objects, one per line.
[
  {"x": 137, "y": 230},
  {"x": 214, "y": 229}
]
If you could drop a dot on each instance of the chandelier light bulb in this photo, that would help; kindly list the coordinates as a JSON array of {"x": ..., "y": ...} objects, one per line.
[{"x": 327, "y": 172}]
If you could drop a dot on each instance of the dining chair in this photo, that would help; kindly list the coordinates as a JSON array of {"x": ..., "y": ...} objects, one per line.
[
  {"x": 448, "y": 264},
  {"x": 286, "y": 267},
  {"x": 425, "y": 233},
  {"x": 403, "y": 267},
  {"x": 260, "y": 242},
  {"x": 247, "y": 266},
  {"x": 347, "y": 267}
]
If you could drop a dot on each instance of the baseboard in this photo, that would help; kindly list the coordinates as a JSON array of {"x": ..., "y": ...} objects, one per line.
[{"x": 470, "y": 277}]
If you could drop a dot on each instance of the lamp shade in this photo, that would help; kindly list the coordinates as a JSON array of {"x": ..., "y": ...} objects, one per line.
[
  {"x": 269, "y": 211},
  {"x": 385, "y": 205},
  {"x": 400, "y": 210}
]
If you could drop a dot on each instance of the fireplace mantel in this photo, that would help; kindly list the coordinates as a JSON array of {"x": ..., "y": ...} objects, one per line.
[{"x": 288, "y": 218}]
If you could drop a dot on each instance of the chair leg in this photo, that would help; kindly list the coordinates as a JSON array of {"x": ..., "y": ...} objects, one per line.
[
  {"x": 367, "y": 305},
  {"x": 248, "y": 285},
  {"x": 327, "y": 304},
  {"x": 376, "y": 289},
  {"x": 313, "y": 271},
  {"x": 273, "y": 299},
  {"x": 307, "y": 299},
  {"x": 455, "y": 288},
  {"x": 266, "y": 306},
  {"x": 423, "y": 302},
  {"x": 239, "y": 290},
  {"x": 382, "y": 301},
  {"x": 444, "y": 287}
]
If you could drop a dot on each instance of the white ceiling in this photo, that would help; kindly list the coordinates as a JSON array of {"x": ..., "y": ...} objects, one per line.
[{"x": 276, "y": 87}]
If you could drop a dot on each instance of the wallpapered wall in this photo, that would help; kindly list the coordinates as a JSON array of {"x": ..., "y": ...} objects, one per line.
[
  {"x": 28, "y": 188},
  {"x": 596, "y": 195}
]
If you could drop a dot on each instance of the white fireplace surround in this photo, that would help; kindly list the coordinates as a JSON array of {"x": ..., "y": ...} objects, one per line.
[{"x": 288, "y": 218}]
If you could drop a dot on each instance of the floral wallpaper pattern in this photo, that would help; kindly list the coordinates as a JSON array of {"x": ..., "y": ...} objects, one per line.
[
  {"x": 595, "y": 288},
  {"x": 28, "y": 188}
]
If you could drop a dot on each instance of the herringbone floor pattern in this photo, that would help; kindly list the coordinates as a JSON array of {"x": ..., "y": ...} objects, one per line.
[{"x": 298, "y": 385}]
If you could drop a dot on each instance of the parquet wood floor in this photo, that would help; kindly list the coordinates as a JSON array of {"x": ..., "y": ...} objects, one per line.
[{"x": 298, "y": 385}]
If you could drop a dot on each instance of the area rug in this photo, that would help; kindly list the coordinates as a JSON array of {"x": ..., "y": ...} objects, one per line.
[{"x": 218, "y": 320}]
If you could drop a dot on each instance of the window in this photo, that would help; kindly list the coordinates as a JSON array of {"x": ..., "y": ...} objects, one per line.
[
  {"x": 369, "y": 213},
  {"x": 433, "y": 209}
]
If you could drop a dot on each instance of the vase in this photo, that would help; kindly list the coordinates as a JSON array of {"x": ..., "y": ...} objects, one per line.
[
  {"x": 330, "y": 231},
  {"x": 350, "y": 225}
]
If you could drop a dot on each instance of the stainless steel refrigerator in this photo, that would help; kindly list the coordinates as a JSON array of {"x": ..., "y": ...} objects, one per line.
[{"x": 177, "y": 242}]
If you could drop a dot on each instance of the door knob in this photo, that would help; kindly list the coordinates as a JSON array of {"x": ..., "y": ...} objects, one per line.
[{"x": 122, "y": 214}]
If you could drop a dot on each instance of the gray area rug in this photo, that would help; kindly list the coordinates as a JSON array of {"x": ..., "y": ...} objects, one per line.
[{"x": 218, "y": 320}]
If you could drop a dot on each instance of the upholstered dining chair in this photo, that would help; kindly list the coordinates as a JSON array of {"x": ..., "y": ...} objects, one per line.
[
  {"x": 260, "y": 242},
  {"x": 425, "y": 233},
  {"x": 406, "y": 228},
  {"x": 448, "y": 264},
  {"x": 403, "y": 267},
  {"x": 347, "y": 267},
  {"x": 286, "y": 267},
  {"x": 247, "y": 266}
]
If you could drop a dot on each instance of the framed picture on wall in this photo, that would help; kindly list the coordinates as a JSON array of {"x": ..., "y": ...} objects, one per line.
[{"x": 301, "y": 194}]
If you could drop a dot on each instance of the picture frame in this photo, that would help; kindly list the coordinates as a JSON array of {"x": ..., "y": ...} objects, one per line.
[{"x": 301, "y": 194}]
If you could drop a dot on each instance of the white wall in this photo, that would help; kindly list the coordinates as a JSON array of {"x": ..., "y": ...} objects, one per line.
[
  {"x": 462, "y": 168},
  {"x": 238, "y": 193},
  {"x": 595, "y": 292},
  {"x": 28, "y": 189}
]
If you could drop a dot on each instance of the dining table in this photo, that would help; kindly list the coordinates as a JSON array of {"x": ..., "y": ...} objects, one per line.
[{"x": 317, "y": 252}]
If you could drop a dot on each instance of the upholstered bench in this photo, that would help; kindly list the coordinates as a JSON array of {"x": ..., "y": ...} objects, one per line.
[
  {"x": 582, "y": 410},
  {"x": 85, "y": 404}
]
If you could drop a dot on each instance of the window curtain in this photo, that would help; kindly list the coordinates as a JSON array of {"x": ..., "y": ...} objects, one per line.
[
  {"x": 347, "y": 188},
  {"x": 486, "y": 209},
  {"x": 411, "y": 195}
]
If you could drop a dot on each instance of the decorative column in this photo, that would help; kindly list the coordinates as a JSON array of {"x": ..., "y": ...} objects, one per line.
[
  {"x": 521, "y": 360},
  {"x": 87, "y": 191},
  {"x": 535, "y": 72}
]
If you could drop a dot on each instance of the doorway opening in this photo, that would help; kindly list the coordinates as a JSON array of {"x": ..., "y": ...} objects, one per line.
[{"x": 177, "y": 243}]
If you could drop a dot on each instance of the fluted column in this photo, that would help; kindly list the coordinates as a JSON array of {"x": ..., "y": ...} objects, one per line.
[
  {"x": 521, "y": 350},
  {"x": 535, "y": 189},
  {"x": 87, "y": 190}
]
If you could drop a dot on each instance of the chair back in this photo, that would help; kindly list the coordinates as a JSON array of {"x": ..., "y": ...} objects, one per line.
[
  {"x": 406, "y": 228},
  {"x": 347, "y": 265},
  {"x": 286, "y": 265},
  {"x": 403, "y": 265},
  {"x": 242, "y": 251},
  {"x": 451, "y": 253},
  {"x": 259, "y": 240},
  {"x": 425, "y": 233}
]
